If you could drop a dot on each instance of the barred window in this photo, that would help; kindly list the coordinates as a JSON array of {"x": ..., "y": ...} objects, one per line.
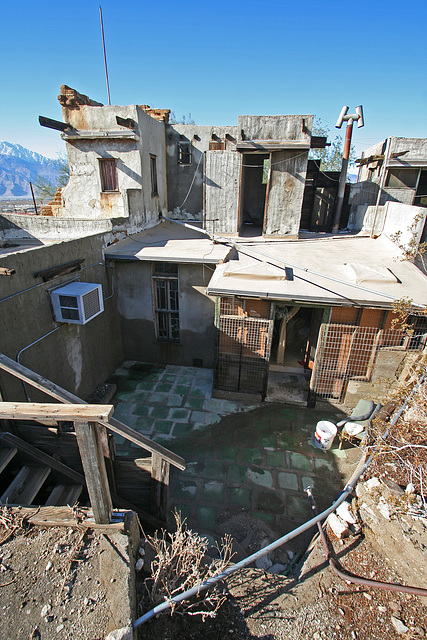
[
  {"x": 166, "y": 301},
  {"x": 185, "y": 155}
]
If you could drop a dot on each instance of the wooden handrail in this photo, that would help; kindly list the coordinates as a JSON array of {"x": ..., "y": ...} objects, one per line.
[
  {"x": 57, "y": 392},
  {"x": 75, "y": 476},
  {"x": 48, "y": 411}
]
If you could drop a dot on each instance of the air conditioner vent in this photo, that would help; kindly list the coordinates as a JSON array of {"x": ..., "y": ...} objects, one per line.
[{"x": 77, "y": 302}]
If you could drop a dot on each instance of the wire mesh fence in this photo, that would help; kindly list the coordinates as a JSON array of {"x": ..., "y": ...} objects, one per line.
[
  {"x": 349, "y": 352},
  {"x": 244, "y": 331}
]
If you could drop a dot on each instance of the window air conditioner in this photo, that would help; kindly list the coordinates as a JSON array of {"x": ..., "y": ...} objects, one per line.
[{"x": 77, "y": 302}]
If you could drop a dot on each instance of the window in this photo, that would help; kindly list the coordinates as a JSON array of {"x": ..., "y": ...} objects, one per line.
[
  {"x": 185, "y": 155},
  {"x": 153, "y": 170},
  {"x": 166, "y": 301},
  {"x": 109, "y": 180},
  {"x": 402, "y": 178}
]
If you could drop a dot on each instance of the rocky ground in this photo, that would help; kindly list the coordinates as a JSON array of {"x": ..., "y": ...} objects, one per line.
[
  {"x": 315, "y": 604},
  {"x": 50, "y": 585}
]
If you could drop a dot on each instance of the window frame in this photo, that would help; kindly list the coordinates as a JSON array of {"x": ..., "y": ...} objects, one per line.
[
  {"x": 105, "y": 177},
  {"x": 165, "y": 278},
  {"x": 185, "y": 152},
  {"x": 153, "y": 175},
  {"x": 393, "y": 174}
]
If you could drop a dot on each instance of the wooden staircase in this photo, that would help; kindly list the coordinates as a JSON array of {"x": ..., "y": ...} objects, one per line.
[
  {"x": 89, "y": 451},
  {"x": 29, "y": 479}
]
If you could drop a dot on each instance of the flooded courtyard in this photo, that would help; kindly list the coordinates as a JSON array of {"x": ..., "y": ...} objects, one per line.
[{"x": 246, "y": 465}]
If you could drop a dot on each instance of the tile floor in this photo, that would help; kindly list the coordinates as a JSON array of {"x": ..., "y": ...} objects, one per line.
[{"x": 243, "y": 461}]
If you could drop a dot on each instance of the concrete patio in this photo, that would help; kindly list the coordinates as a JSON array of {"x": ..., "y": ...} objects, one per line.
[{"x": 247, "y": 465}]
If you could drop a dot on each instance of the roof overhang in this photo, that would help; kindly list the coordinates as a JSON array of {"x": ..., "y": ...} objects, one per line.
[
  {"x": 266, "y": 146},
  {"x": 169, "y": 242},
  {"x": 334, "y": 271}
]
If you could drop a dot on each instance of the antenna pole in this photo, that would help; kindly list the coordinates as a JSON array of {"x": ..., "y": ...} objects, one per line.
[
  {"x": 349, "y": 118},
  {"x": 105, "y": 55}
]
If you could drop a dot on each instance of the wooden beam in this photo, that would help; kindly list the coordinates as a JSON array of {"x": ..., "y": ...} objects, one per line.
[
  {"x": 53, "y": 124},
  {"x": 272, "y": 145},
  {"x": 51, "y": 516},
  {"x": 160, "y": 487},
  {"x": 57, "y": 392},
  {"x": 95, "y": 472},
  {"x": 60, "y": 270},
  {"x": 45, "y": 411},
  {"x": 66, "y": 471},
  {"x": 144, "y": 463},
  {"x": 41, "y": 457}
]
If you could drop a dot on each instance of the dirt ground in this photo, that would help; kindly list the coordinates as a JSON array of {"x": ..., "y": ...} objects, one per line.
[
  {"x": 313, "y": 605},
  {"x": 50, "y": 586}
]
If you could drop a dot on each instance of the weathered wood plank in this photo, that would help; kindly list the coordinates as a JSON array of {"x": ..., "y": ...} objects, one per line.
[
  {"x": 160, "y": 487},
  {"x": 67, "y": 517},
  {"x": 57, "y": 392},
  {"x": 64, "y": 494},
  {"x": 42, "y": 457},
  {"x": 62, "y": 444},
  {"x": 6, "y": 455},
  {"x": 144, "y": 463},
  {"x": 45, "y": 410},
  {"x": 24, "y": 488},
  {"x": 95, "y": 471},
  {"x": 271, "y": 145}
]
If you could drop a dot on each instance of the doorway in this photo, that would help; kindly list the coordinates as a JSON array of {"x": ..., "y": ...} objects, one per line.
[{"x": 255, "y": 169}]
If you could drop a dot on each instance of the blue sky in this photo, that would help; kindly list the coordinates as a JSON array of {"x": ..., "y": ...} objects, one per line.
[{"x": 218, "y": 60}]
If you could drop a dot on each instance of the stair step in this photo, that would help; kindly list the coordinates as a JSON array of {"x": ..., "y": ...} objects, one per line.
[
  {"x": 63, "y": 494},
  {"x": 26, "y": 485},
  {"x": 6, "y": 455}
]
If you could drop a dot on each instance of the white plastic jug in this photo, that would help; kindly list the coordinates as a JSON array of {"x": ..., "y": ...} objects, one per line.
[{"x": 325, "y": 434}]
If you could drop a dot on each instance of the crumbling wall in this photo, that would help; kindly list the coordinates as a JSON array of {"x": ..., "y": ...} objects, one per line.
[{"x": 96, "y": 135}]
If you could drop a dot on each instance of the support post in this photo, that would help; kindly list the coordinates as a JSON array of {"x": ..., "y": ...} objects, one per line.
[
  {"x": 94, "y": 469},
  {"x": 160, "y": 487},
  {"x": 343, "y": 176}
]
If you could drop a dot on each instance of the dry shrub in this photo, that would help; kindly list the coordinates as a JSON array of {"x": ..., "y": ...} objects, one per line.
[
  {"x": 180, "y": 564},
  {"x": 402, "y": 456}
]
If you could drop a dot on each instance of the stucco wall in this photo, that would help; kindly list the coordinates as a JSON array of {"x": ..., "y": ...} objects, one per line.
[
  {"x": 83, "y": 196},
  {"x": 196, "y": 316},
  {"x": 76, "y": 357},
  {"x": 288, "y": 127},
  {"x": 180, "y": 176}
]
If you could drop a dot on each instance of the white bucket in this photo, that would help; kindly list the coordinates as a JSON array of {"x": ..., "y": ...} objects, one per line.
[{"x": 325, "y": 434}]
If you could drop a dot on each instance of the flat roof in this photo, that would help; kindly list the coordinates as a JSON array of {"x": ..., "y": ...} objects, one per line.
[
  {"x": 334, "y": 270},
  {"x": 169, "y": 242}
]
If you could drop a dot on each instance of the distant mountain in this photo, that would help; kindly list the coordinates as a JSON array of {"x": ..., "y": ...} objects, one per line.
[{"x": 20, "y": 166}]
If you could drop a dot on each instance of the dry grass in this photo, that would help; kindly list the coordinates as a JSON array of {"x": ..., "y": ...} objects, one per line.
[
  {"x": 402, "y": 456},
  {"x": 180, "y": 564}
]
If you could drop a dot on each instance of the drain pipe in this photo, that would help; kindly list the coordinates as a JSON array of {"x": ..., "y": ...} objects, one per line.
[
  {"x": 27, "y": 347},
  {"x": 164, "y": 606},
  {"x": 389, "y": 586}
]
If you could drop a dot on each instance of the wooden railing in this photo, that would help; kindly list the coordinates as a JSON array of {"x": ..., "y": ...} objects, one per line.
[
  {"x": 161, "y": 458},
  {"x": 85, "y": 419}
]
